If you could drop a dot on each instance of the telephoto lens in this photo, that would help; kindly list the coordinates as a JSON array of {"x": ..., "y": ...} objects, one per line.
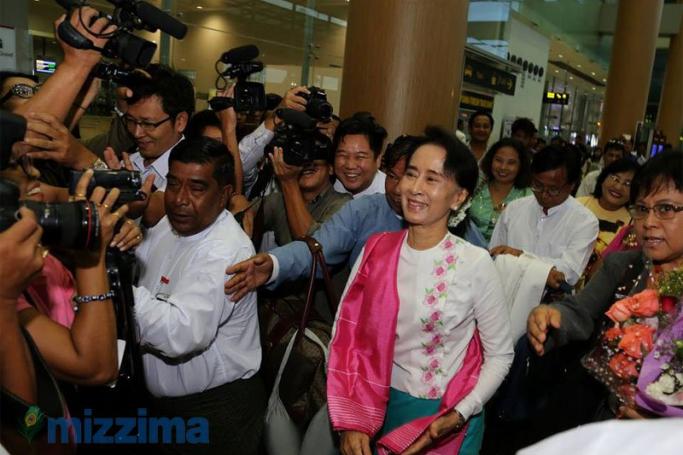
[
  {"x": 70, "y": 225},
  {"x": 129, "y": 184}
]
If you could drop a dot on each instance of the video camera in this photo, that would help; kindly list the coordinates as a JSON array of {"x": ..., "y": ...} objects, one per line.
[
  {"x": 114, "y": 73},
  {"x": 249, "y": 96},
  {"x": 299, "y": 138},
  {"x": 128, "y": 15}
]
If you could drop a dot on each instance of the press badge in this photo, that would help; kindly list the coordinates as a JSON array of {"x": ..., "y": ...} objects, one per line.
[{"x": 161, "y": 292}]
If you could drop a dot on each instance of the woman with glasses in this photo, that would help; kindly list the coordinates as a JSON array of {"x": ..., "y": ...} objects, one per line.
[
  {"x": 657, "y": 212},
  {"x": 609, "y": 203},
  {"x": 507, "y": 169}
]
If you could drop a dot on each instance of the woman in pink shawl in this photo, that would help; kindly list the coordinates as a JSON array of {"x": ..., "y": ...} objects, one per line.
[{"x": 422, "y": 337}]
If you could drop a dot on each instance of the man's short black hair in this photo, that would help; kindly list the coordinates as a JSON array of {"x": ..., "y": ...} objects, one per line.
[
  {"x": 615, "y": 144},
  {"x": 554, "y": 157},
  {"x": 475, "y": 114},
  {"x": 203, "y": 150},
  {"x": 616, "y": 167},
  {"x": 4, "y": 75},
  {"x": 525, "y": 125},
  {"x": 523, "y": 179},
  {"x": 362, "y": 123},
  {"x": 402, "y": 147},
  {"x": 663, "y": 169},
  {"x": 199, "y": 122},
  {"x": 174, "y": 89}
]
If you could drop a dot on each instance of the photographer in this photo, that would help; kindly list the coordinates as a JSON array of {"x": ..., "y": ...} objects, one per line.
[
  {"x": 81, "y": 347},
  {"x": 307, "y": 198},
  {"x": 253, "y": 145}
]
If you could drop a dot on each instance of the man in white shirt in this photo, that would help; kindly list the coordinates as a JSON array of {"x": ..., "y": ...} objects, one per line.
[
  {"x": 358, "y": 142},
  {"x": 550, "y": 224},
  {"x": 201, "y": 349},
  {"x": 157, "y": 115}
]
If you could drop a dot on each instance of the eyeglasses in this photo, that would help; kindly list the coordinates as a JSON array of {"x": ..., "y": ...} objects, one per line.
[
  {"x": 552, "y": 191},
  {"x": 131, "y": 123},
  {"x": 21, "y": 90},
  {"x": 663, "y": 211},
  {"x": 613, "y": 178}
]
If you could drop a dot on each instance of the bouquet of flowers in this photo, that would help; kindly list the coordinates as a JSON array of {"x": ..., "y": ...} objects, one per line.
[{"x": 640, "y": 358}]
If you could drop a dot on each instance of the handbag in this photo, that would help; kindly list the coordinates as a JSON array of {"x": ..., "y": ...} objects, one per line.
[{"x": 296, "y": 409}]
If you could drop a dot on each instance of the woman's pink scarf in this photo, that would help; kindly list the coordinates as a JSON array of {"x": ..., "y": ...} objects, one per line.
[{"x": 361, "y": 355}]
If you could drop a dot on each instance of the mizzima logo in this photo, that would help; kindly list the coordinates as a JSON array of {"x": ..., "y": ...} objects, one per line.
[{"x": 128, "y": 430}]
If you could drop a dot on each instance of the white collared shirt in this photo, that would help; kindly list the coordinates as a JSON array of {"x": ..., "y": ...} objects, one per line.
[
  {"x": 194, "y": 337},
  {"x": 251, "y": 149},
  {"x": 377, "y": 186},
  {"x": 158, "y": 168},
  {"x": 564, "y": 237}
]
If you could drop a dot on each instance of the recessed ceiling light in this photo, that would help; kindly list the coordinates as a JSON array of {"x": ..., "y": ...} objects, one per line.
[
  {"x": 578, "y": 66},
  {"x": 559, "y": 55},
  {"x": 199, "y": 7},
  {"x": 592, "y": 73},
  {"x": 593, "y": 88},
  {"x": 557, "y": 71},
  {"x": 571, "y": 78},
  {"x": 604, "y": 80}
]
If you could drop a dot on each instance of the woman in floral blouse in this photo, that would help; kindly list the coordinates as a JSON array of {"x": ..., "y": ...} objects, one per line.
[{"x": 422, "y": 337}]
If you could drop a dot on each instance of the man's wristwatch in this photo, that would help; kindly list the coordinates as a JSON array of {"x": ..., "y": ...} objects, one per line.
[{"x": 99, "y": 165}]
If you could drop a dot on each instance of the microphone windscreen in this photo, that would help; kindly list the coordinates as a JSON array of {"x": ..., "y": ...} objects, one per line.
[
  {"x": 153, "y": 16},
  {"x": 240, "y": 54}
]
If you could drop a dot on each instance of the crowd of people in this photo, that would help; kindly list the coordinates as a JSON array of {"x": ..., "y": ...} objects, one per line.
[{"x": 462, "y": 272}]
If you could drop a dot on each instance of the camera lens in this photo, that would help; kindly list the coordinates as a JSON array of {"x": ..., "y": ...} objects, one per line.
[{"x": 72, "y": 225}]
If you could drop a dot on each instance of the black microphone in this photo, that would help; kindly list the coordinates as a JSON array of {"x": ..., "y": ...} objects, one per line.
[
  {"x": 240, "y": 54},
  {"x": 296, "y": 118},
  {"x": 156, "y": 18}
]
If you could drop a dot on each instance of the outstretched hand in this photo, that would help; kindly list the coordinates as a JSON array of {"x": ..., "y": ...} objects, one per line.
[{"x": 248, "y": 275}]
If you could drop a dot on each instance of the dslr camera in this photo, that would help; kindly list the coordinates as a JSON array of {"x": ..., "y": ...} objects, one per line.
[
  {"x": 317, "y": 105},
  {"x": 299, "y": 138},
  {"x": 129, "y": 184},
  {"x": 249, "y": 96}
]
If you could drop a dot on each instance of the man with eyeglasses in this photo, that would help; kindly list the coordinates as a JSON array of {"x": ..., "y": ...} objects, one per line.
[
  {"x": 550, "y": 224},
  {"x": 158, "y": 112}
]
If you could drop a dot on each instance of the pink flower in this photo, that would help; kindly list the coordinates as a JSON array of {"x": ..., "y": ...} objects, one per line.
[
  {"x": 428, "y": 327},
  {"x": 433, "y": 393},
  {"x": 441, "y": 286},
  {"x": 429, "y": 349},
  {"x": 636, "y": 338},
  {"x": 450, "y": 259},
  {"x": 439, "y": 271},
  {"x": 434, "y": 364},
  {"x": 623, "y": 366},
  {"x": 448, "y": 244},
  {"x": 620, "y": 311},
  {"x": 430, "y": 299},
  {"x": 435, "y": 316},
  {"x": 436, "y": 340},
  {"x": 613, "y": 333},
  {"x": 427, "y": 377},
  {"x": 645, "y": 303},
  {"x": 668, "y": 304}
]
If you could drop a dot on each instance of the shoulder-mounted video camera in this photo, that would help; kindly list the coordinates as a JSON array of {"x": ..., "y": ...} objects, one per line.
[
  {"x": 249, "y": 96},
  {"x": 128, "y": 15},
  {"x": 299, "y": 138}
]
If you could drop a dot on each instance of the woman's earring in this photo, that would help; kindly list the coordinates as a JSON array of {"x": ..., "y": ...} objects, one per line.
[{"x": 459, "y": 214}]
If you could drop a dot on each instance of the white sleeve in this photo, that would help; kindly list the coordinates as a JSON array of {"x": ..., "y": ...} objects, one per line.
[
  {"x": 500, "y": 232},
  {"x": 188, "y": 320},
  {"x": 584, "y": 232},
  {"x": 251, "y": 152},
  {"x": 276, "y": 269},
  {"x": 493, "y": 323}
]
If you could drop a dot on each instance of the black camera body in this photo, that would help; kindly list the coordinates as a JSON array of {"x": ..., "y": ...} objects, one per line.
[
  {"x": 112, "y": 72},
  {"x": 249, "y": 96},
  {"x": 70, "y": 225},
  {"x": 299, "y": 139},
  {"x": 127, "y": 15},
  {"x": 129, "y": 184},
  {"x": 317, "y": 105}
]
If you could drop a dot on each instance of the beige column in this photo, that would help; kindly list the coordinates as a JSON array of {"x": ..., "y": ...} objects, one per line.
[
  {"x": 670, "y": 115},
  {"x": 630, "y": 69},
  {"x": 403, "y": 62}
]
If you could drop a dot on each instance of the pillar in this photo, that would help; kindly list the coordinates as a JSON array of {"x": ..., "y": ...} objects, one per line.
[
  {"x": 404, "y": 61},
  {"x": 630, "y": 69},
  {"x": 670, "y": 115}
]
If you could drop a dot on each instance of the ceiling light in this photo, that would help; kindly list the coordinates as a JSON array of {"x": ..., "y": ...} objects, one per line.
[
  {"x": 578, "y": 66},
  {"x": 559, "y": 55},
  {"x": 592, "y": 73},
  {"x": 199, "y": 7},
  {"x": 571, "y": 78},
  {"x": 604, "y": 80},
  {"x": 593, "y": 88},
  {"x": 557, "y": 71}
]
